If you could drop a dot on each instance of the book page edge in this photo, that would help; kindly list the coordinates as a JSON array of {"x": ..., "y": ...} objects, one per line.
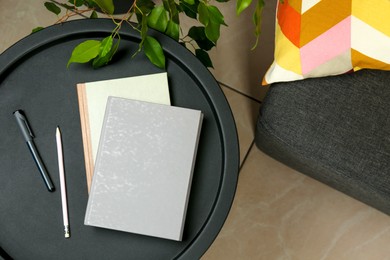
[{"x": 85, "y": 130}]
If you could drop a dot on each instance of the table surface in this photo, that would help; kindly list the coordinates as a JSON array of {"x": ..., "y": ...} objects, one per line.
[{"x": 34, "y": 77}]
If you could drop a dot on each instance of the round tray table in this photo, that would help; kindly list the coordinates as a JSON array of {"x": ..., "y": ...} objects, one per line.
[{"x": 34, "y": 78}]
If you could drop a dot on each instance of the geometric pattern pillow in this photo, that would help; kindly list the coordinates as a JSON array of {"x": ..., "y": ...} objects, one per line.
[{"x": 316, "y": 38}]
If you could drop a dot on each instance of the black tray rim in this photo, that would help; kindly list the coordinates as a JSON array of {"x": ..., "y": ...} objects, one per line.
[{"x": 226, "y": 124}]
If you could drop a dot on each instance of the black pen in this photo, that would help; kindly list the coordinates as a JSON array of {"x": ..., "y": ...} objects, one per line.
[{"x": 28, "y": 136}]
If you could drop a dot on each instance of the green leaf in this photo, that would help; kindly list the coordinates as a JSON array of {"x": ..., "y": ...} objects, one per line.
[
  {"x": 242, "y": 5},
  {"x": 77, "y": 3},
  {"x": 215, "y": 15},
  {"x": 37, "y": 29},
  {"x": 190, "y": 2},
  {"x": 154, "y": 52},
  {"x": 90, "y": 3},
  {"x": 103, "y": 60},
  {"x": 204, "y": 58},
  {"x": 52, "y": 7},
  {"x": 212, "y": 18},
  {"x": 69, "y": 7},
  {"x": 190, "y": 10},
  {"x": 94, "y": 15},
  {"x": 212, "y": 31},
  {"x": 203, "y": 11},
  {"x": 158, "y": 19},
  {"x": 199, "y": 35},
  {"x": 257, "y": 20},
  {"x": 173, "y": 30},
  {"x": 146, "y": 6},
  {"x": 106, "y": 5},
  {"x": 105, "y": 46},
  {"x": 85, "y": 52},
  {"x": 171, "y": 8},
  {"x": 144, "y": 27},
  {"x": 143, "y": 32}
]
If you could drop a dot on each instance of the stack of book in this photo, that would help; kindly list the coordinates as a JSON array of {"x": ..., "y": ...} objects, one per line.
[{"x": 139, "y": 155}]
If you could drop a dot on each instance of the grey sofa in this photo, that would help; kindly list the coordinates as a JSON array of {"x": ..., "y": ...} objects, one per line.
[{"x": 334, "y": 129}]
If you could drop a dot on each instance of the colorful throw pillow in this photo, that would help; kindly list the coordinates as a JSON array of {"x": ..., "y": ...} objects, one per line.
[{"x": 316, "y": 38}]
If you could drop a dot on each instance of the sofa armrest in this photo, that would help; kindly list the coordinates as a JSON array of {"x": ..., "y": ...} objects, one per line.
[{"x": 334, "y": 129}]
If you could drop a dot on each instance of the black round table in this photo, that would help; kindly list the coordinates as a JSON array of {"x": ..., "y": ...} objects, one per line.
[{"x": 34, "y": 78}]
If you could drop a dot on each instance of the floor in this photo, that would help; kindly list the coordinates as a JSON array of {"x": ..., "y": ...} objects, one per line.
[{"x": 277, "y": 213}]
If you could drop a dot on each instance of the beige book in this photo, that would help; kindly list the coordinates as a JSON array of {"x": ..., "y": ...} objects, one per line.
[{"x": 92, "y": 98}]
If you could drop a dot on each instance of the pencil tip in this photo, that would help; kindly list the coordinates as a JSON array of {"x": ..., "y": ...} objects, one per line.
[{"x": 67, "y": 232}]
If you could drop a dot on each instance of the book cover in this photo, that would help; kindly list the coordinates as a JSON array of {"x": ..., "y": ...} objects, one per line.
[
  {"x": 144, "y": 168},
  {"x": 92, "y": 97}
]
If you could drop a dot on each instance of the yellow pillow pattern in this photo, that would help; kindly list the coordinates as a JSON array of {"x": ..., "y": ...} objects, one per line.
[{"x": 316, "y": 38}]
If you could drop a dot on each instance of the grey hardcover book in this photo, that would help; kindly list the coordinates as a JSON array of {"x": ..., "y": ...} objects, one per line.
[{"x": 144, "y": 166}]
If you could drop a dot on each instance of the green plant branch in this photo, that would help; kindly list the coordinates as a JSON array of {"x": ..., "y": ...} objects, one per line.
[
  {"x": 163, "y": 17},
  {"x": 75, "y": 11}
]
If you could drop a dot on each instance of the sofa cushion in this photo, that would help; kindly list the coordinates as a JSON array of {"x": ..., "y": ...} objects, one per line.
[
  {"x": 329, "y": 37},
  {"x": 334, "y": 129}
]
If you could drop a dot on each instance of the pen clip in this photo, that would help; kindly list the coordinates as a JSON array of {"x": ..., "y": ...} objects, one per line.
[
  {"x": 29, "y": 129},
  {"x": 22, "y": 119}
]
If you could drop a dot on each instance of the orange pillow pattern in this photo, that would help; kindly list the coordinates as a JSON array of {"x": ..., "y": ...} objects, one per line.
[{"x": 316, "y": 38}]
